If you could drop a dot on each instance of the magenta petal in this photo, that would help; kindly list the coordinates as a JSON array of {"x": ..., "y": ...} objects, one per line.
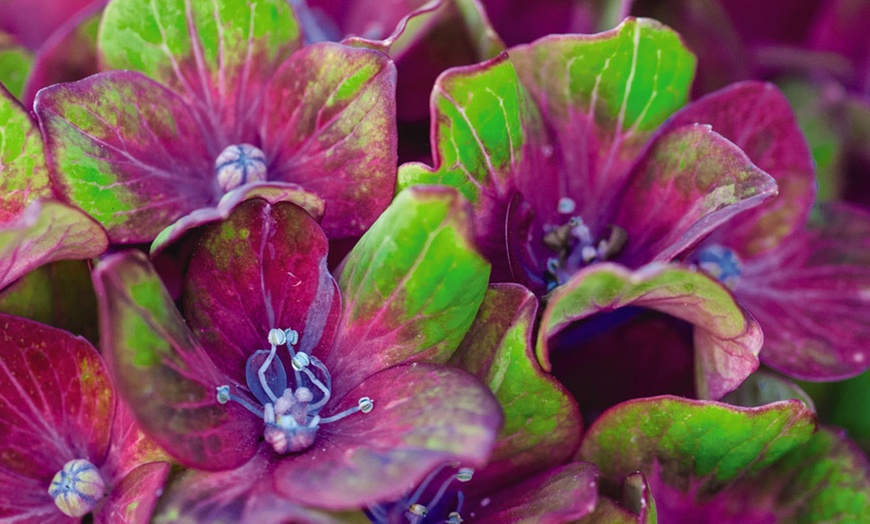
[
  {"x": 127, "y": 151},
  {"x": 561, "y": 494},
  {"x": 689, "y": 182},
  {"x": 758, "y": 119},
  {"x": 30, "y": 501},
  {"x": 133, "y": 499},
  {"x": 272, "y": 192},
  {"x": 56, "y": 400},
  {"x": 32, "y": 22},
  {"x": 809, "y": 295},
  {"x": 329, "y": 126},
  {"x": 276, "y": 255},
  {"x": 424, "y": 415},
  {"x": 163, "y": 374}
]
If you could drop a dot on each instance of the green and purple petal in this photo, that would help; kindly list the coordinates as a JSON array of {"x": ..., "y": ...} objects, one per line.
[
  {"x": 411, "y": 286},
  {"x": 276, "y": 254},
  {"x": 163, "y": 373},
  {"x": 688, "y": 183},
  {"x": 696, "y": 448},
  {"x": 727, "y": 340},
  {"x": 542, "y": 422},
  {"x": 601, "y": 97},
  {"x": 127, "y": 151},
  {"x": 16, "y": 62},
  {"x": 216, "y": 54},
  {"x": 133, "y": 499},
  {"x": 424, "y": 415},
  {"x": 328, "y": 124},
  {"x": 47, "y": 231},
  {"x": 757, "y": 118}
]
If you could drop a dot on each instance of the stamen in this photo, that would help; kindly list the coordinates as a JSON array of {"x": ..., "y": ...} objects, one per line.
[
  {"x": 240, "y": 164},
  {"x": 262, "y": 374},
  {"x": 365, "y": 405},
  {"x": 566, "y": 206},
  {"x": 77, "y": 488},
  {"x": 300, "y": 361},
  {"x": 224, "y": 396},
  {"x": 463, "y": 475}
]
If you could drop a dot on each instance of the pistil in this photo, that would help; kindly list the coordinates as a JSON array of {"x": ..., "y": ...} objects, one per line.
[
  {"x": 292, "y": 418},
  {"x": 240, "y": 164},
  {"x": 77, "y": 488}
]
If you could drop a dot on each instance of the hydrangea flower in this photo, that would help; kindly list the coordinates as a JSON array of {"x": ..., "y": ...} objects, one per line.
[
  {"x": 572, "y": 182},
  {"x": 68, "y": 446},
  {"x": 199, "y": 91},
  {"x": 335, "y": 386}
]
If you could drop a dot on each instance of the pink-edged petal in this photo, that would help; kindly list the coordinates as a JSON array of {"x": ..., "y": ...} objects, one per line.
[
  {"x": 216, "y": 54},
  {"x": 47, "y": 231},
  {"x": 132, "y": 500},
  {"x": 128, "y": 152},
  {"x": 562, "y": 494},
  {"x": 542, "y": 422},
  {"x": 272, "y": 192},
  {"x": 411, "y": 286},
  {"x": 56, "y": 405},
  {"x": 328, "y": 125},
  {"x": 727, "y": 340},
  {"x": 424, "y": 415},
  {"x": 163, "y": 374},
  {"x": 601, "y": 96},
  {"x": 688, "y": 183},
  {"x": 809, "y": 295},
  {"x": 276, "y": 255},
  {"x": 69, "y": 55},
  {"x": 757, "y": 118}
]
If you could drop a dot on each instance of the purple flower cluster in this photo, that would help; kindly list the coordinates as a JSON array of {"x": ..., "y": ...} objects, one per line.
[{"x": 421, "y": 262}]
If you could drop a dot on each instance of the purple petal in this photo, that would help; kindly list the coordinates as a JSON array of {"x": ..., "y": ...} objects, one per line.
[
  {"x": 561, "y": 494},
  {"x": 56, "y": 399},
  {"x": 56, "y": 405},
  {"x": 277, "y": 257},
  {"x": 757, "y": 118},
  {"x": 134, "y": 498},
  {"x": 542, "y": 422},
  {"x": 69, "y": 55},
  {"x": 272, "y": 192},
  {"x": 166, "y": 378},
  {"x": 726, "y": 339},
  {"x": 808, "y": 295},
  {"x": 17, "y": 17},
  {"x": 329, "y": 125},
  {"x": 688, "y": 183},
  {"x": 128, "y": 152},
  {"x": 47, "y": 231},
  {"x": 424, "y": 415}
]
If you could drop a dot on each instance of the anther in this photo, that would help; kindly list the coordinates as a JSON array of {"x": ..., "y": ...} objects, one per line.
[
  {"x": 277, "y": 337},
  {"x": 366, "y": 405},
  {"x": 464, "y": 474},
  {"x": 240, "y": 164},
  {"x": 292, "y": 336},
  {"x": 566, "y": 206},
  {"x": 454, "y": 518},
  {"x": 418, "y": 510},
  {"x": 77, "y": 488},
  {"x": 300, "y": 361}
]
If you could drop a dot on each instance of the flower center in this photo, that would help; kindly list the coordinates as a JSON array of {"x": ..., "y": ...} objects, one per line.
[
  {"x": 291, "y": 414},
  {"x": 414, "y": 511},
  {"x": 77, "y": 488},
  {"x": 575, "y": 247},
  {"x": 239, "y": 164},
  {"x": 721, "y": 263}
]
